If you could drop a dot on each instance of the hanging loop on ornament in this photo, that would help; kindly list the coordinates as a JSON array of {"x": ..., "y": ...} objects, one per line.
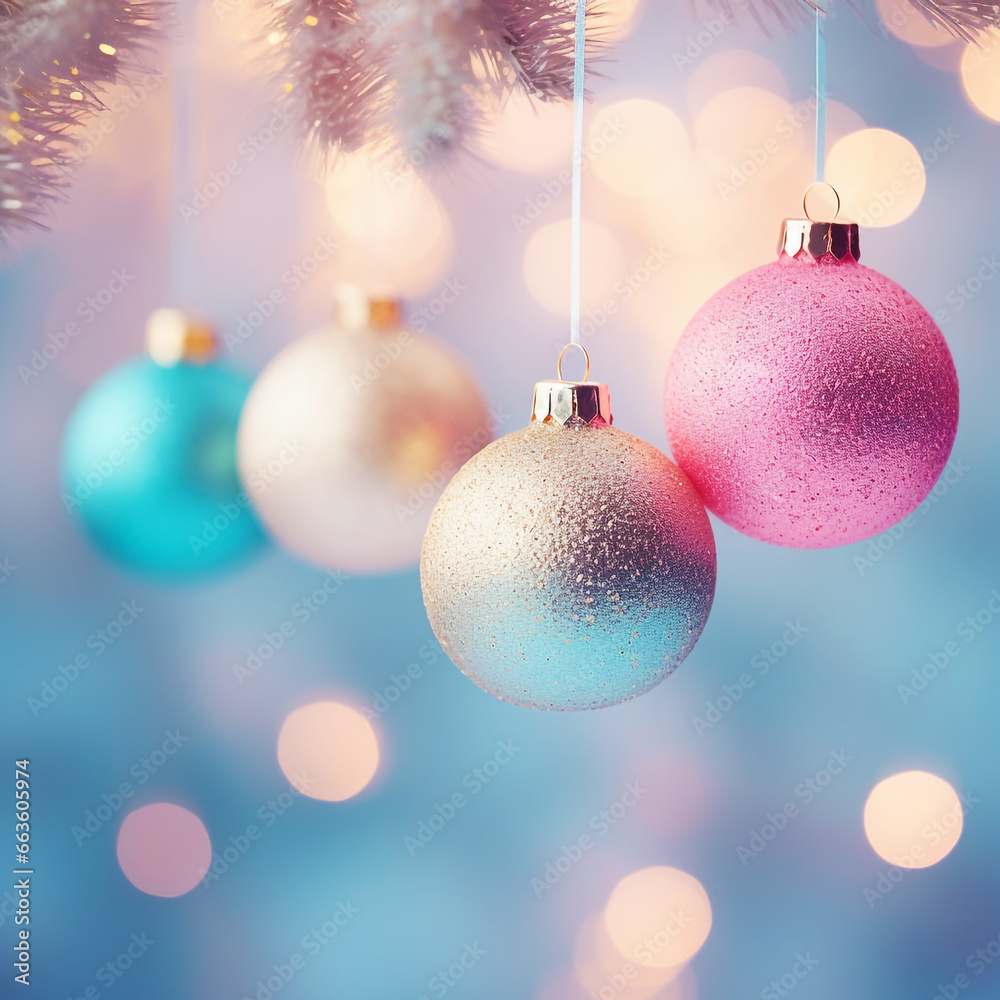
[
  {"x": 832, "y": 197},
  {"x": 586, "y": 357}
]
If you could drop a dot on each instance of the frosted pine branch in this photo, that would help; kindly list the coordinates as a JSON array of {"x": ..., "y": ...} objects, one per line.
[{"x": 57, "y": 57}]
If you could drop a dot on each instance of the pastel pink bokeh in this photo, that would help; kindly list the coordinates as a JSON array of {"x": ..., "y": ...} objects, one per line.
[
  {"x": 164, "y": 849},
  {"x": 812, "y": 403}
]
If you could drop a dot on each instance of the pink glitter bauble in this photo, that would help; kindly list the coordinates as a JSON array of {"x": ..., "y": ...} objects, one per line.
[{"x": 812, "y": 402}]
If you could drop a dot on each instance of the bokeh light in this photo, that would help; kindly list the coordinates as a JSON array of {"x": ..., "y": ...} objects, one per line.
[
  {"x": 134, "y": 154},
  {"x": 598, "y": 964},
  {"x": 547, "y": 265},
  {"x": 751, "y": 163},
  {"x": 396, "y": 233},
  {"x": 163, "y": 849},
  {"x": 913, "y": 819},
  {"x": 907, "y": 23},
  {"x": 947, "y": 58},
  {"x": 233, "y": 51},
  {"x": 689, "y": 218},
  {"x": 980, "y": 70},
  {"x": 748, "y": 134},
  {"x": 328, "y": 751},
  {"x": 666, "y": 305},
  {"x": 618, "y": 18},
  {"x": 634, "y": 144},
  {"x": 735, "y": 68},
  {"x": 373, "y": 199},
  {"x": 658, "y": 917},
  {"x": 527, "y": 135},
  {"x": 841, "y": 120},
  {"x": 879, "y": 176}
]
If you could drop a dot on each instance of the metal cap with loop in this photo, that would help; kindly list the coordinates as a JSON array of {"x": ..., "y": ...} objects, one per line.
[
  {"x": 569, "y": 403},
  {"x": 815, "y": 238}
]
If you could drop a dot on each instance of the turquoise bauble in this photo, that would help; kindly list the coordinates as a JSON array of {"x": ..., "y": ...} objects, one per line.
[{"x": 149, "y": 468}]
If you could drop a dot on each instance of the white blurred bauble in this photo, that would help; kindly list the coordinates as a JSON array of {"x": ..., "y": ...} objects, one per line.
[{"x": 349, "y": 436}]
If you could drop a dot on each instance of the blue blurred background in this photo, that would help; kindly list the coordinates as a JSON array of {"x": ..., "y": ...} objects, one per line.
[{"x": 863, "y": 618}]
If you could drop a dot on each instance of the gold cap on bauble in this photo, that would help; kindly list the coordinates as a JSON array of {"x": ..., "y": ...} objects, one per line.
[
  {"x": 173, "y": 338},
  {"x": 817, "y": 239},
  {"x": 356, "y": 309},
  {"x": 821, "y": 233},
  {"x": 571, "y": 403}
]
